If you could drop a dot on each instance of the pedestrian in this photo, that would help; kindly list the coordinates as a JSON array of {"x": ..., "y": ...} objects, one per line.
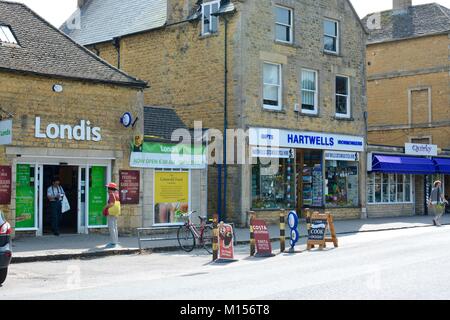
[
  {"x": 437, "y": 203},
  {"x": 55, "y": 194},
  {"x": 113, "y": 210}
]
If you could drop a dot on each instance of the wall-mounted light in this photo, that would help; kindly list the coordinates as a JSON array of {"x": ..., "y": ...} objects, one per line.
[{"x": 57, "y": 88}]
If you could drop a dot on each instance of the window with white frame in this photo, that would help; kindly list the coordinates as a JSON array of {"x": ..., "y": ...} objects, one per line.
[
  {"x": 6, "y": 35},
  {"x": 389, "y": 188},
  {"x": 309, "y": 90},
  {"x": 210, "y": 23},
  {"x": 331, "y": 36},
  {"x": 343, "y": 97},
  {"x": 272, "y": 86},
  {"x": 283, "y": 24}
]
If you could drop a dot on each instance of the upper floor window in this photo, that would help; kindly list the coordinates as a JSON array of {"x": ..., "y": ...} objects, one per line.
[
  {"x": 283, "y": 24},
  {"x": 210, "y": 23},
  {"x": 272, "y": 86},
  {"x": 342, "y": 97},
  {"x": 309, "y": 91},
  {"x": 6, "y": 35},
  {"x": 331, "y": 36}
]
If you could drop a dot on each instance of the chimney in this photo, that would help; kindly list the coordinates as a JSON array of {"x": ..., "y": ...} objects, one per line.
[
  {"x": 81, "y": 3},
  {"x": 402, "y": 4}
]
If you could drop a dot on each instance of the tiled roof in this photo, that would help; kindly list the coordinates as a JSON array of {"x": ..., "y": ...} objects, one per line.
[
  {"x": 413, "y": 22},
  {"x": 44, "y": 50},
  {"x": 160, "y": 122},
  {"x": 103, "y": 20}
]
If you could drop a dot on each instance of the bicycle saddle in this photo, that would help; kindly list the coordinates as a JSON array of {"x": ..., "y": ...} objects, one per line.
[{"x": 202, "y": 218}]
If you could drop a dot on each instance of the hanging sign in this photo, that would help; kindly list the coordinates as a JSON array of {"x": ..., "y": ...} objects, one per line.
[
  {"x": 6, "y": 132},
  {"x": 226, "y": 247},
  {"x": 320, "y": 224},
  {"x": 129, "y": 186},
  {"x": 262, "y": 238},
  {"x": 5, "y": 185}
]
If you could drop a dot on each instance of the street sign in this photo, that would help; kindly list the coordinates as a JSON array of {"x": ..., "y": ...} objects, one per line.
[
  {"x": 262, "y": 238},
  {"x": 293, "y": 225},
  {"x": 320, "y": 224}
]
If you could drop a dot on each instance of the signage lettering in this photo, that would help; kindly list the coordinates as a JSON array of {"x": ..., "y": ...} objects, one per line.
[{"x": 81, "y": 132}]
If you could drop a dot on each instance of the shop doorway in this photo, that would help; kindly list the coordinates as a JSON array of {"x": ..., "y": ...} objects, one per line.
[
  {"x": 309, "y": 179},
  {"x": 68, "y": 176}
]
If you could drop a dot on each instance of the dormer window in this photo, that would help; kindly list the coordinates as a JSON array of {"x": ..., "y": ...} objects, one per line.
[
  {"x": 210, "y": 23},
  {"x": 6, "y": 35}
]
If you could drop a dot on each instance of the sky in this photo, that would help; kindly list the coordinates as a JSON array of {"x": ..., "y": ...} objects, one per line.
[{"x": 57, "y": 11}]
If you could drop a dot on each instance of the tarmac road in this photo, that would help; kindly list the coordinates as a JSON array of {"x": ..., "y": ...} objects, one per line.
[{"x": 402, "y": 264}]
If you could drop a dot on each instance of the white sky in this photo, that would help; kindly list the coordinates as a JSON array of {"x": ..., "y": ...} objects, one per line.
[{"x": 57, "y": 11}]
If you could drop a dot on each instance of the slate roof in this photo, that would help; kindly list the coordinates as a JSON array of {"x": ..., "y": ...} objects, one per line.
[
  {"x": 44, "y": 50},
  {"x": 414, "y": 22},
  {"x": 161, "y": 122},
  {"x": 103, "y": 20}
]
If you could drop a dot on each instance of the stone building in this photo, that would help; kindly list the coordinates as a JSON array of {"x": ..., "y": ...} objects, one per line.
[
  {"x": 408, "y": 52},
  {"x": 60, "y": 109},
  {"x": 294, "y": 80}
]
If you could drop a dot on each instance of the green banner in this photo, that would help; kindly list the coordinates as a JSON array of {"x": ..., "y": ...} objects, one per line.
[
  {"x": 97, "y": 197},
  {"x": 25, "y": 198}
]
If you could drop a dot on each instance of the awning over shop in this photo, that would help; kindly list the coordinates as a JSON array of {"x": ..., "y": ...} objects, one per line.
[
  {"x": 403, "y": 165},
  {"x": 442, "y": 165}
]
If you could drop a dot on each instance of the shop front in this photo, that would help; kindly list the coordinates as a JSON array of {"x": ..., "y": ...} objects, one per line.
[{"x": 299, "y": 170}]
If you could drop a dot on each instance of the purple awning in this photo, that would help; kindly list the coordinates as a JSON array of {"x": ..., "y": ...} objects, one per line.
[{"x": 402, "y": 165}]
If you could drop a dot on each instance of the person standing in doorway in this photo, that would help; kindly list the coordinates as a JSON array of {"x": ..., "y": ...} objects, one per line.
[
  {"x": 113, "y": 211},
  {"x": 437, "y": 203},
  {"x": 55, "y": 194}
]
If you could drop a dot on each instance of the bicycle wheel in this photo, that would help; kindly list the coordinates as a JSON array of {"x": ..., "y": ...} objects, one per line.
[
  {"x": 186, "y": 238},
  {"x": 207, "y": 239}
]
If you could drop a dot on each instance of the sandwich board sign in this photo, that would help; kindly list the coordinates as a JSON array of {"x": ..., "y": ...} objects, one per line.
[
  {"x": 226, "y": 243},
  {"x": 320, "y": 225},
  {"x": 262, "y": 239}
]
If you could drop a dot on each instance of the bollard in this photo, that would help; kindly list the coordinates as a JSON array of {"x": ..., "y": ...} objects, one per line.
[
  {"x": 252, "y": 235},
  {"x": 282, "y": 231},
  {"x": 215, "y": 240}
]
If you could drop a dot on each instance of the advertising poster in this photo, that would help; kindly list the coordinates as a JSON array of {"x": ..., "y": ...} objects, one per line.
[
  {"x": 97, "y": 196},
  {"x": 171, "y": 194},
  {"x": 318, "y": 229},
  {"x": 262, "y": 238},
  {"x": 5, "y": 185},
  {"x": 25, "y": 198},
  {"x": 6, "y": 132},
  {"x": 129, "y": 186},
  {"x": 226, "y": 248}
]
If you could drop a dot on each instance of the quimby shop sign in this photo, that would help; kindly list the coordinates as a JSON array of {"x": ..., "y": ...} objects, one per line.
[
  {"x": 421, "y": 149},
  {"x": 305, "y": 140},
  {"x": 83, "y": 131}
]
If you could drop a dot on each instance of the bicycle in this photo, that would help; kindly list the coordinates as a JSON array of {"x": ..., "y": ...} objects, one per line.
[{"x": 188, "y": 234}]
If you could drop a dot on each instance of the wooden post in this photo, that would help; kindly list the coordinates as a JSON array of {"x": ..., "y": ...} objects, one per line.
[
  {"x": 334, "y": 238},
  {"x": 252, "y": 235},
  {"x": 215, "y": 240},
  {"x": 282, "y": 231}
]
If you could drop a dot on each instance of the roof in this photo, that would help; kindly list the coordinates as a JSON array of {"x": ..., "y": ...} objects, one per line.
[
  {"x": 103, "y": 20},
  {"x": 44, "y": 50},
  {"x": 416, "y": 21},
  {"x": 161, "y": 122}
]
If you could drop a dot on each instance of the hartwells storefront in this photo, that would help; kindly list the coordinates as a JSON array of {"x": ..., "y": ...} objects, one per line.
[{"x": 299, "y": 170}]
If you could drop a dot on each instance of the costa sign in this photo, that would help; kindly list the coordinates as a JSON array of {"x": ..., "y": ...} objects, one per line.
[{"x": 81, "y": 132}]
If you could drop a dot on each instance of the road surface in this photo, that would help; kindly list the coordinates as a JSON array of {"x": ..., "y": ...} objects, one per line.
[{"x": 402, "y": 264}]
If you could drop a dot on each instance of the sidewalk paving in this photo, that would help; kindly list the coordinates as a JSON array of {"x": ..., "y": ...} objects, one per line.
[{"x": 51, "y": 248}]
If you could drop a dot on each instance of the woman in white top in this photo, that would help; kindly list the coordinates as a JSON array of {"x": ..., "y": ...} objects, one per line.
[{"x": 55, "y": 194}]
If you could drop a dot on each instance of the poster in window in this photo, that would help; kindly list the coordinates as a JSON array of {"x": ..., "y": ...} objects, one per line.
[
  {"x": 171, "y": 195},
  {"x": 129, "y": 186},
  {"x": 5, "y": 185}
]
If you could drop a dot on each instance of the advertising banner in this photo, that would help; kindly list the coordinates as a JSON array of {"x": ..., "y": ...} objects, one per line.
[
  {"x": 5, "y": 185},
  {"x": 226, "y": 247},
  {"x": 25, "y": 197},
  {"x": 168, "y": 156},
  {"x": 171, "y": 192},
  {"x": 97, "y": 197},
  {"x": 262, "y": 238},
  {"x": 129, "y": 186}
]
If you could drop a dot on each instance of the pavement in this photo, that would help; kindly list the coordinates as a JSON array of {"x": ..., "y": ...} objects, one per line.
[
  {"x": 403, "y": 264},
  {"x": 65, "y": 247}
]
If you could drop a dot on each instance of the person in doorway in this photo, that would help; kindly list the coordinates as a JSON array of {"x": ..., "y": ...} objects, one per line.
[
  {"x": 113, "y": 211},
  {"x": 55, "y": 194},
  {"x": 437, "y": 203}
]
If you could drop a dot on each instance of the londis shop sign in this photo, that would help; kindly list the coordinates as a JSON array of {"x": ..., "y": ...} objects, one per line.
[
  {"x": 83, "y": 131},
  {"x": 168, "y": 156}
]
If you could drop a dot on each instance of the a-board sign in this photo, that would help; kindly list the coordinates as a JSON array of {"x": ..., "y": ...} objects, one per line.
[
  {"x": 226, "y": 246},
  {"x": 262, "y": 238},
  {"x": 321, "y": 231}
]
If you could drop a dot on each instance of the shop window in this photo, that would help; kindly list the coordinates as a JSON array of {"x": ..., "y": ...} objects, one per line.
[
  {"x": 331, "y": 36},
  {"x": 310, "y": 178},
  {"x": 341, "y": 184},
  {"x": 283, "y": 24},
  {"x": 342, "y": 97},
  {"x": 273, "y": 185},
  {"x": 210, "y": 22},
  {"x": 309, "y": 91},
  {"x": 272, "y": 86},
  {"x": 389, "y": 188}
]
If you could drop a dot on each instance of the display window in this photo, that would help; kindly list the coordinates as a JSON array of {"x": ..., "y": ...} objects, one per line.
[
  {"x": 310, "y": 178},
  {"x": 341, "y": 184},
  {"x": 389, "y": 188},
  {"x": 273, "y": 187}
]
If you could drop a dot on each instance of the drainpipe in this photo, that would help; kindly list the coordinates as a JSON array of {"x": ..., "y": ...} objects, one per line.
[
  {"x": 116, "y": 44},
  {"x": 225, "y": 121}
]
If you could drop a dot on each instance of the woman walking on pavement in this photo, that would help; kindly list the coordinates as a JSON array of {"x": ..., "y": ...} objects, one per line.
[
  {"x": 112, "y": 210},
  {"x": 437, "y": 203}
]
